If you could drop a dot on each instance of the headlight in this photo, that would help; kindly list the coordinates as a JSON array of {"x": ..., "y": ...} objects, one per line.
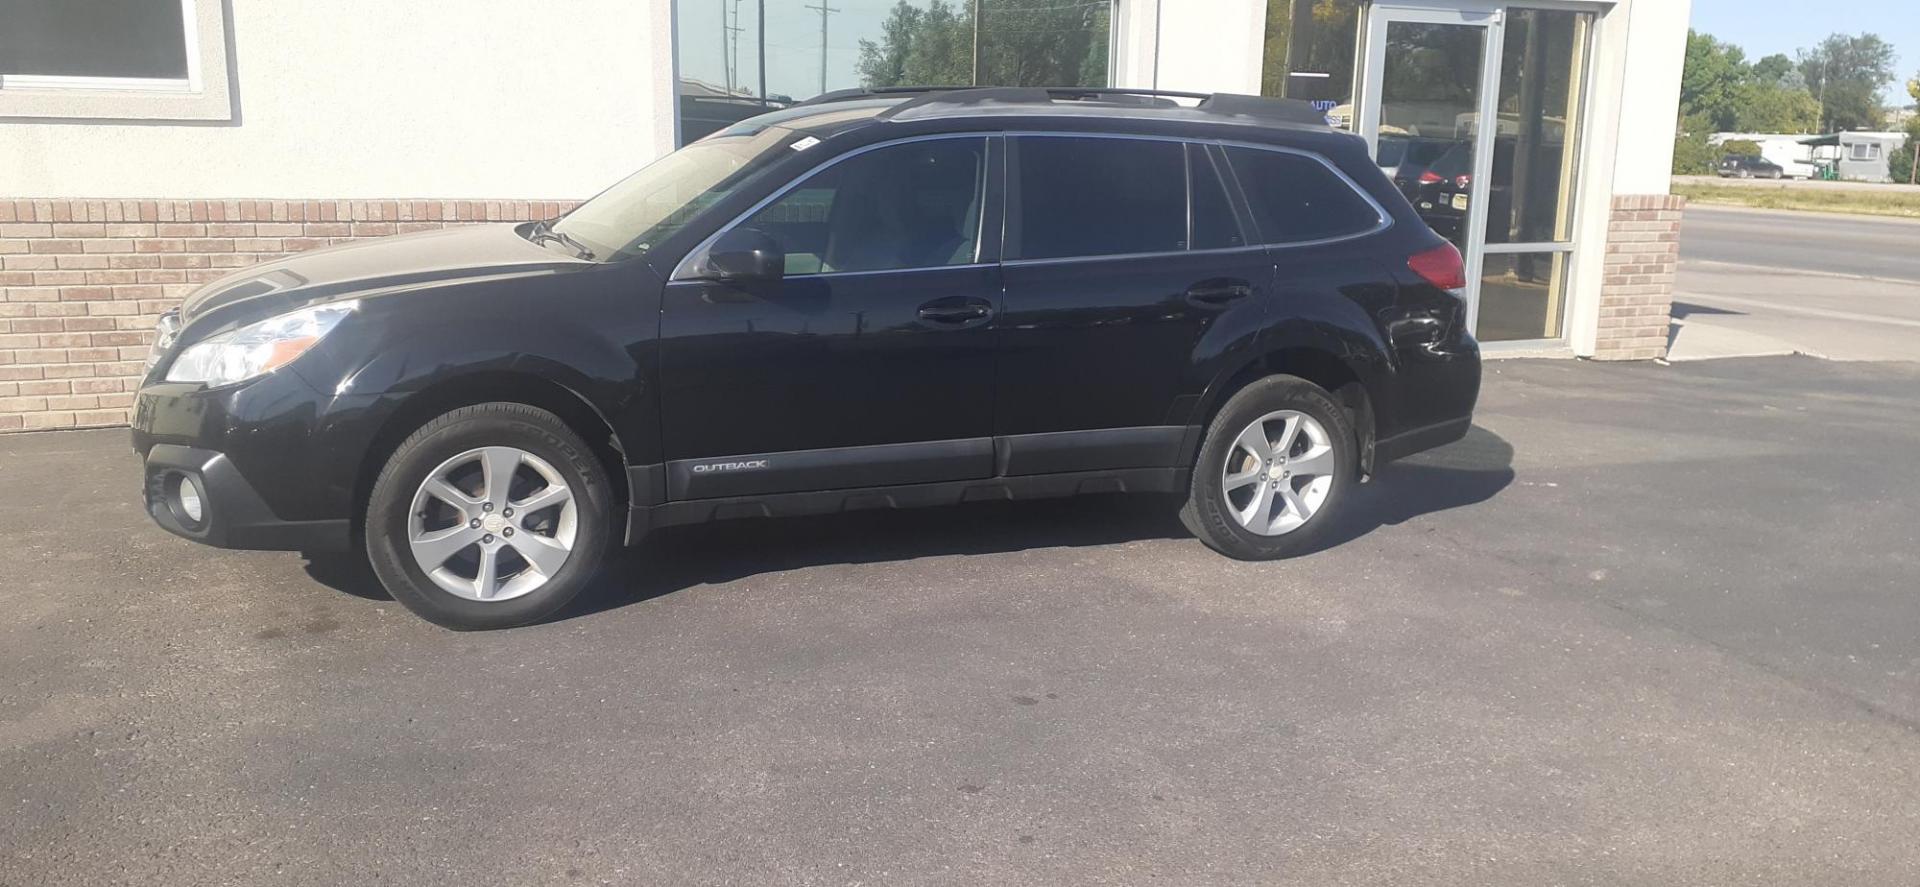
[{"x": 259, "y": 348}]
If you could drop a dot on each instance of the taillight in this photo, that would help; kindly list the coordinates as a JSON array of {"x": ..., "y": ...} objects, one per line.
[
  {"x": 1442, "y": 267},
  {"x": 1431, "y": 178}
]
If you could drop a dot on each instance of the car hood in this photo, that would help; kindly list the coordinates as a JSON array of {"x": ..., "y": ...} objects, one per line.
[{"x": 408, "y": 261}]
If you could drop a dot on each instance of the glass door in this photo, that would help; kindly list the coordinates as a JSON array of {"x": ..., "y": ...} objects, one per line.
[
  {"x": 1474, "y": 113},
  {"x": 1424, "y": 92},
  {"x": 1524, "y": 267}
]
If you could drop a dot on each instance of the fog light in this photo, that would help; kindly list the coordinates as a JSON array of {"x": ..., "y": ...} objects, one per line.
[
  {"x": 190, "y": 499},
  {"x": 185, "y": 498}
]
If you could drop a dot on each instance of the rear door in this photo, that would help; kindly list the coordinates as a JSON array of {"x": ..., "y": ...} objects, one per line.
[{"x": 1127, "y": 269}]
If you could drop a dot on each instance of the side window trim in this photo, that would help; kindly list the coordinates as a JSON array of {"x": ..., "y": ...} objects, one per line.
[
  {"x": 684, "y": 270},
  {"x": 1186, "y": 172},
  {"x": 1214, "y": 157},
  {"x": 1380, "y": 212},
  {"x": 1236, "y": 197}
]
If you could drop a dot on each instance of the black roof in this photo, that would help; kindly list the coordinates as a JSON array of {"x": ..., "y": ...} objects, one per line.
[{"x": 838, "y": 111}]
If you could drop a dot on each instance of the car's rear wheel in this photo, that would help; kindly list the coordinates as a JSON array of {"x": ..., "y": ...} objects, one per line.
[
  {"x": 490, "y": 516},
  {"x": 1273, "y": 471}
]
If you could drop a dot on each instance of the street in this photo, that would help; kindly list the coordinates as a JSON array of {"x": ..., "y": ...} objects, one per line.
[
  {"x": 1763, "y": 282},
  {"x": 1646, "y": 625}
]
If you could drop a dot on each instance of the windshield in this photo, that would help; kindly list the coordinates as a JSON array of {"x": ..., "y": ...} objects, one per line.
[{"x": 652, "y": 204}]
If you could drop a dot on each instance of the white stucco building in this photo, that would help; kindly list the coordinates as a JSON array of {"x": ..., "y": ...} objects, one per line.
[{"x": 146, "y": 152}]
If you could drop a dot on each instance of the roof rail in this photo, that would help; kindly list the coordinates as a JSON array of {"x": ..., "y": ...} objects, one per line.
[
  {"x": 869, "y": 92},
  {"x": 1228, "y": 104}
]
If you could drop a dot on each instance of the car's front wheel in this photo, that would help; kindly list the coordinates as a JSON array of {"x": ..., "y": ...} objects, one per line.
[
  {"x": 1273, "y": 471},
  {"x": 489, "y": 516}
]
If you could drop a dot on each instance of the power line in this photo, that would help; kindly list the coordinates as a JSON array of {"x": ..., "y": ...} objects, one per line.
[{"x": 825, "y": 11}]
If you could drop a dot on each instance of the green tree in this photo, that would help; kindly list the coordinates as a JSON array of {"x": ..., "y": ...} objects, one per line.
[
  {"x": 1772, "y": 68},
  {"x": 1776, "y": 107},
  {"x": 1901, "y": 164},
  {"x": 1845, "y": 73},
  {"x": 1693, "y": 154},
  {"x": 1711, "y": 82},
  {"x": 1022, "y": 43}
]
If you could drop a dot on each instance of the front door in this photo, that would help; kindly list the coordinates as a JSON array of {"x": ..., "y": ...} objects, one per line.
[{"x": 871, "y": 363}]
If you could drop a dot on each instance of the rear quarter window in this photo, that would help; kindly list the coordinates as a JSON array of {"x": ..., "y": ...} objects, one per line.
[{"x": 1298, "y": 199}]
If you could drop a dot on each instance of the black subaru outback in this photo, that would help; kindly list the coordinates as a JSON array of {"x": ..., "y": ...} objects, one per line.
[{"x": 869, "y": 300}]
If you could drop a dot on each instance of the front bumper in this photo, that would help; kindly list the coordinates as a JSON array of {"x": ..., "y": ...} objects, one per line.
[
  {"x": 229, "y": 512},
  {"x": 270, "y": 468}
]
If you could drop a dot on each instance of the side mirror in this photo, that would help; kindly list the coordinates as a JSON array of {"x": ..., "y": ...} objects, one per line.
[{"x": 744, "y": 256}]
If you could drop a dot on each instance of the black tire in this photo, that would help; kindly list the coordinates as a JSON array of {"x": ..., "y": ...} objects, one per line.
[
  {"x": 530, "y": 429},
  {"x": 1208, "y": 509}
]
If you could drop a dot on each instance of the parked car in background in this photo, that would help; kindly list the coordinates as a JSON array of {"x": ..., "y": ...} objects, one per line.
[
  {"x": 1749, "y": 166},
  {"x": 868, "y": 300},
  {"x": 1402, "y": 156},
  {"x": 1443, "y": 192}
]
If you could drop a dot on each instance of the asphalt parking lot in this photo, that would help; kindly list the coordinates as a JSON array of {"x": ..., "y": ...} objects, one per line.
[{"x": 1646, "y": 625}]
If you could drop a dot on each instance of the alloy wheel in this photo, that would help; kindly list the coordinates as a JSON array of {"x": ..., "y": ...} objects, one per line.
[
  {"x": 1278, "y": 473},
  {"x": 492, "y": 524}
]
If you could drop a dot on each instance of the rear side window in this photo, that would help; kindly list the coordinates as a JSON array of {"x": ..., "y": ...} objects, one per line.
[
  {"x": 1099, "y": 197},
  {"x": 1297, "y": 199}
]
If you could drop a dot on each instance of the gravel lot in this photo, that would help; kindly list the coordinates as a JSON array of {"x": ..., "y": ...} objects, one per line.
[{"x": 1647, "y": 625}]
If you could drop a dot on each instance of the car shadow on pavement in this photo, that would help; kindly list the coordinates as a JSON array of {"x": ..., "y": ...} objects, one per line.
[
  {"x": 1464, "y": 473},
  {"x": 1470, "y": 471}
]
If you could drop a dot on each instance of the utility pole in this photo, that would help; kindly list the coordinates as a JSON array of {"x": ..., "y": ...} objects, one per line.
[
  {"x": 732, "y": 71},
  {"x": 726, "y": 78},
  {"x": 762, "y": 26},
  {"x": 733, "y": 62},
  {"x": 825, "y": 11},
  {"x": 979, "y": 64}
]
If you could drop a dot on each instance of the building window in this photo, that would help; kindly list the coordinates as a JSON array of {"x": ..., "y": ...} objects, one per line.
[
  {"x": 739, "y": 58},
  {"x": 1866, "y": 151},
  {"x": 139, "y": 59},
  {"x": 1310, "y": 49},
  {"x": 75, "y": 42}
]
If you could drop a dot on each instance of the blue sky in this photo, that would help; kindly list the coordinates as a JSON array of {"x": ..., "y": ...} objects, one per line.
[{"x": 1764, "y": 27}]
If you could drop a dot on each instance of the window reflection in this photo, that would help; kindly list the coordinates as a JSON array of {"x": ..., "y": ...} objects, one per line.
[
  {"x": 739, "y": 58},
  {"x": 1310, "y": 50},
  {"x": 1540, "y": 92},
  {"x": 1429, "y": 108}
]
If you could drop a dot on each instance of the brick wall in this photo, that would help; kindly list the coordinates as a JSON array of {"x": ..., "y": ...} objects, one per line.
[
  {"x": 1636, "y": 298},
  {"x": 81, "y": 281}
]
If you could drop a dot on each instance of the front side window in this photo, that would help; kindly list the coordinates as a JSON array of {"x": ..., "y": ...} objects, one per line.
[
  {"x": 1082, "y": 197},
  {"x": 107, "y": 39},
  {"x": 656, "y": 202},
  {"x": 1297, "y": 199},
  {"x": 894, "y": 208}
]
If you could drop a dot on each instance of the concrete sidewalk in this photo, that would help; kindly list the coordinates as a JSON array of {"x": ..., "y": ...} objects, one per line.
[{"x": 1645, "y": 625}]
